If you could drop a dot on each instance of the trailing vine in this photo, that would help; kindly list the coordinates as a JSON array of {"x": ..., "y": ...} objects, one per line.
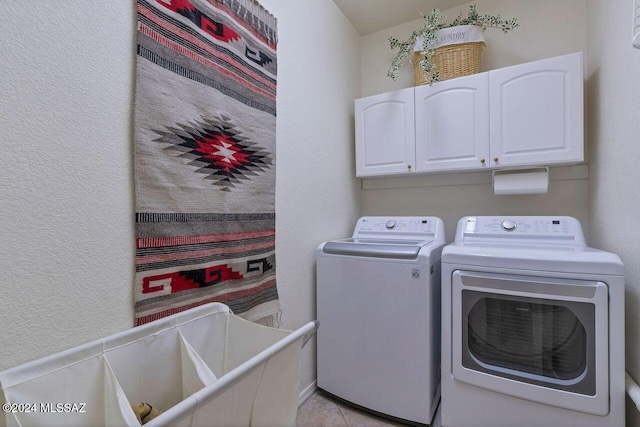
[{"x": 434, "y": 22}]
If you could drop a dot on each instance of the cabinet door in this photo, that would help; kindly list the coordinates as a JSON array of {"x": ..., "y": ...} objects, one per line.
[
  {"x": 385, "y": 134},
  {"x": 536, "y": 113},
  {"x": 452, "y": 124}
]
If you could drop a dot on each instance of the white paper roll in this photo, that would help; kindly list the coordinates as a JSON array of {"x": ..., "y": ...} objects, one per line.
[{"x": 523, "y": 181}]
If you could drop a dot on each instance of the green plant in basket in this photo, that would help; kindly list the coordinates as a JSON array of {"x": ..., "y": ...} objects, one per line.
[{"x": 434, "y": 22}]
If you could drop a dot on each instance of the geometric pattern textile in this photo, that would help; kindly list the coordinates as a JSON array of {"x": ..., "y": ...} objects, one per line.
[{"x": 204, "y": 157}]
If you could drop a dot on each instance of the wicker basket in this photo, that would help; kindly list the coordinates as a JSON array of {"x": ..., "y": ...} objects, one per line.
[{"x": 454, "y": 60}]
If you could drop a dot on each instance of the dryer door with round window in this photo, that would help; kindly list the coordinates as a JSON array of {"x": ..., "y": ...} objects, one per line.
[{"x": 537, "y": 338}]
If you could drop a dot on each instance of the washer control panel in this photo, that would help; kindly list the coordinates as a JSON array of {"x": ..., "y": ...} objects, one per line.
[
  {"x": 405, "y": 227},
  {"x": 533, "y": 227}
]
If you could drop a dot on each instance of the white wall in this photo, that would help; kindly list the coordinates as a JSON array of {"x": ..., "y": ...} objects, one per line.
[
  {"x": 66, "y": 239},
  {"x": 317, "y": 196},
  {"x": 547, "y": 28},
  {"x": 613, "y": 120},
  {"x": 606, "y": 202},
  {"x": 66, "y": 197},
  {"x": 66, "y": 200}
]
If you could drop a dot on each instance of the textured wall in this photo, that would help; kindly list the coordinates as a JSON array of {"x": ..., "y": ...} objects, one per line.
[
  {"x": 66, "y": 203},
  {"x": 66, "y": 239},
  {"x": 547, "y": 28},
  {"x": 317, "y": 195},
  {"x": 613, "y": 121}
]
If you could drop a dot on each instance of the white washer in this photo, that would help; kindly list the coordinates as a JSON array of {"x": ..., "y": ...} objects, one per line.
[
  {"x": 532, "y": 326},
  {"x": 378, "y": 302}
]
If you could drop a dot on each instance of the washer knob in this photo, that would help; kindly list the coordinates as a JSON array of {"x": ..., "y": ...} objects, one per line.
[
  {"x": 508, "y": 225},
  {"x": 390, "y": 224}
]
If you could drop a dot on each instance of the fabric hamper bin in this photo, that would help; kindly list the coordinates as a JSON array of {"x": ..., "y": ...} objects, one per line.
[{"x": 201, "y": 367}]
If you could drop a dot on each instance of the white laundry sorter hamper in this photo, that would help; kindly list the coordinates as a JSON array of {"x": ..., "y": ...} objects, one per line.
[{"x": 201, "y": 367}]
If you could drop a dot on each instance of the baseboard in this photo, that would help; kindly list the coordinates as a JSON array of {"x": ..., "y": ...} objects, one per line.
[{"x": 307, "y": 392}]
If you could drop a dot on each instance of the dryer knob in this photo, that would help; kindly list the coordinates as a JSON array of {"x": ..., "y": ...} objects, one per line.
[
  {"x": 390, "y": 224},
  {"x": 508, "y": 225}
]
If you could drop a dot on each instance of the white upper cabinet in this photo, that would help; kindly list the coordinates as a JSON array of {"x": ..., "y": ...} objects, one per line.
[
  {"x": 452, "y": 124},
  {"x": 521, "y": 116},
  {"x": 536, "y": 113},
  {"x": 385, "y": 133}
]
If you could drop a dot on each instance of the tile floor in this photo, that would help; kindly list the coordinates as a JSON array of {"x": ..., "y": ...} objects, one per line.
[{"x": 321, "y": 410}]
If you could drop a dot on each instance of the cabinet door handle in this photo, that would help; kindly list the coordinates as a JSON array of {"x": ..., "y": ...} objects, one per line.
[
  {"x": 482, "y": 161},
  {"x": 408, "y": 166},
  {"x": 495, "y": 159}
]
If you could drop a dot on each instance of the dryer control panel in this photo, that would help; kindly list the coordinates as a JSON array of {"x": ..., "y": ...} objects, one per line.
[{"x": 543, "y": 229}]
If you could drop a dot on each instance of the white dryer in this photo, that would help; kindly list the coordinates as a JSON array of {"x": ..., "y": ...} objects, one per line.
[
  {"x": 378, "y": 303},
  {"x": 532, "y": 326}
]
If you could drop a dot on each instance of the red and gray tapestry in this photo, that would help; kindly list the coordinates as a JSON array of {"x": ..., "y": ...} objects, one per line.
[{"x": 204, "y": 154}]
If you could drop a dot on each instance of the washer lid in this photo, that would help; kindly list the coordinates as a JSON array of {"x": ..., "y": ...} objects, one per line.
[{"x": 377, "y": 248}]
